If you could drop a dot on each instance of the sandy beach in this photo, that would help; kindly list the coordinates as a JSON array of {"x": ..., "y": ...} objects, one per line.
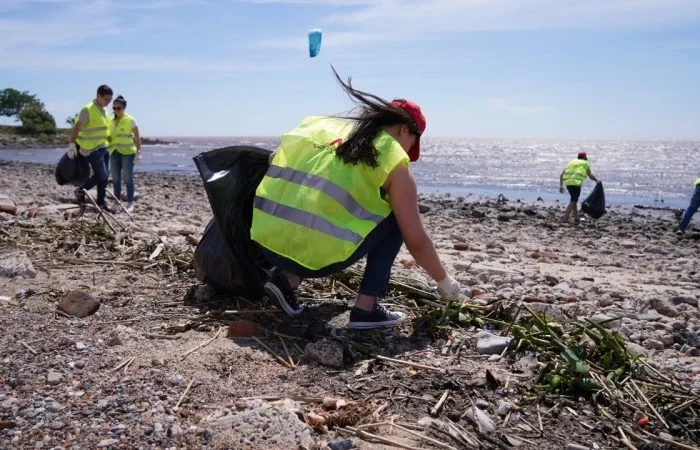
[{"x": 155, "y": 366}]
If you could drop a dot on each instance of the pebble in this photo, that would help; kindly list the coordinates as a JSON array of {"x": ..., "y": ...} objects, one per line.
[
  {"x": 108, "y": 442},
  {"x": 653, "y": 344},
  {"x": 54, "y": 378},
  {"x": 80, "y": 346},
  {"x": 175, "y": 432}
]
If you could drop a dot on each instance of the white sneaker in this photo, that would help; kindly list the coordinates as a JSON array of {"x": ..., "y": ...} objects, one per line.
[{"x": 130, "y": 208}]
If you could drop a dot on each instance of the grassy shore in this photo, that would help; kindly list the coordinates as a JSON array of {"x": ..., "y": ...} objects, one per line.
[{"x": 12, "y": 137}]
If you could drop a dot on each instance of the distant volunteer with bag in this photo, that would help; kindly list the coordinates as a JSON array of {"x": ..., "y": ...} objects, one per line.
[
  {"x": 692, "y": 208},
  {"x": 338, "y": 190},
  {"x": 124, "y": 146},
  {"x": 573, "y": 177},
  {"x": 91, "y": 132}
]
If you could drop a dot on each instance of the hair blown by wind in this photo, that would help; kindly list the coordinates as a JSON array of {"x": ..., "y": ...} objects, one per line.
[{"x": 371, "y": 115}]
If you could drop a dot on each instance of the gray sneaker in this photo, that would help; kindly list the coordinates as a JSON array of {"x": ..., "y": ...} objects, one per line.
[{"x": 379, "y": 317}]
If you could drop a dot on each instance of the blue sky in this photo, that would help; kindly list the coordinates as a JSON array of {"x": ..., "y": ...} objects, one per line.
[{"x": 591, "y": 69}]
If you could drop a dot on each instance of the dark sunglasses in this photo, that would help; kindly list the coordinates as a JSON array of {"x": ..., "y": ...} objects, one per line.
[{"x": 117, "y": 108}]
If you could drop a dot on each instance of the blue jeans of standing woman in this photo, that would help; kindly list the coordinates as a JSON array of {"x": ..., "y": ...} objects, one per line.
[
  {"x": 123, "y": 166},
  {"x": 96, "y": 159},
  {"x": 692, "y": 208},
  {"x": 381, "y": 247}
]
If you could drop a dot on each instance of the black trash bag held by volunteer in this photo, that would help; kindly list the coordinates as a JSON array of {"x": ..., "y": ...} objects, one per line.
[
  {"x": 594, "y": 205},
  {"x": 226, "y": 258},
  {"x": 74, "y": 171}
]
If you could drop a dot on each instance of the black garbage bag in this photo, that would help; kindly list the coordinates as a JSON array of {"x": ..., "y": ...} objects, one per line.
[
  {"x": 594, "y": 205},
  {"x": 74, "y": 171},
  {"x": 226, "y": 258}
]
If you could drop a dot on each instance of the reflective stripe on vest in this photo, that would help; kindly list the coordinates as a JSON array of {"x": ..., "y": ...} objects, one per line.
[
  {"x": 331, "y": 189},
  {"x": 313, "y": 208},
  {"x": 576, "y": 172},
  {"x": 122, "y": 136},
  {"x": 94, "y": 133},
  {"x": 305, "y": 219}
]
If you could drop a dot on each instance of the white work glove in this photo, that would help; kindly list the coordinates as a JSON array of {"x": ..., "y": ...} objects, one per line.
[
  {"x": 138, "y": 157},
  {"x": 449, "y": 288},
  {"x": 72, "y": 151}
]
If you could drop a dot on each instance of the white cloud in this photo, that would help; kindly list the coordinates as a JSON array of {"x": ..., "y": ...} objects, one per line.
[
  {"x": 512, "y": 106},
  {"x": 406, "y": 20}
]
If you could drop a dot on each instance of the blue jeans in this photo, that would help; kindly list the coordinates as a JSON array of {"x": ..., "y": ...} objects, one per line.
[
  {"x": 96, "y": 159},
  {"x": 107, "y": 164},
  {"x": 123, "y": 165},
  {"x": 381, "y": 247},
  {"x": 694, "y": 205}
]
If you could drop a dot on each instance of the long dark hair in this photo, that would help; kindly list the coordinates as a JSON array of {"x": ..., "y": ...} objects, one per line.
[{"x": 372, "y": 113}]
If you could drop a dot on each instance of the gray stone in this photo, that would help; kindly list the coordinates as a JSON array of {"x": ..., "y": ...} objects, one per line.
[
  {"x": 653, "y": 344},
  {"x": 78, "y": 304},
  {"x": 605, "y": 300},
  {"x": 54, "y": 378},
  {"x": 175, "y": 432},
  {"x": 664, "y": 307},
  {"x": 16, "y": 264},
  {"x": 345, "y": 444},
  {"x": 688, "y": 299},
  {"x": 490, "y": 344},
  {"x": 650, "y": 316},
  {"x": 563, "y": 286},
  {"x": 80, "y": 346},
  {"x": 636, "y": 349},
  {"x": 610, "y": 321},
  {"x": 108, "y": 443},
  {"x": 326, "y": 352}
]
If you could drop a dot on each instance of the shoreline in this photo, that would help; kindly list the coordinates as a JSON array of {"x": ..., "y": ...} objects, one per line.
[{"x": 18, "y": 141}]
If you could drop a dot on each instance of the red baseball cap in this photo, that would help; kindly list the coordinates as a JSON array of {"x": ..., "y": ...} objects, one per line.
[
  {"x": 419, "y": 120},
  {"x": 582, "y": 155}
]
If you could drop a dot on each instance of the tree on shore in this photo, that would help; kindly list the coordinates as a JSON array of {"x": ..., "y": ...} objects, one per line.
[
  {"x": 36, "y": 120},
  {"x": 28, "y": 109},
  {"x": 12, "y": 102}
]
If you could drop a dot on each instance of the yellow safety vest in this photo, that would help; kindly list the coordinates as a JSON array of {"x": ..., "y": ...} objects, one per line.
[
  {"x": 94, "y": 133},
  {"x": 576, "y": 172},
  {"x": 313, "y": 208},
  {"x": 122, "y": 135},
  {"x": 697, "y": 182}
]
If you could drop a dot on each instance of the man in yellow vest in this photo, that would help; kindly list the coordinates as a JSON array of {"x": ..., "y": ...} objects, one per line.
[
  {"x": 339, "y": 190},
  {"x": 692, "y": 208},
  {"x": 91, "y": 132},
  {"x": 573, "y": 177}
]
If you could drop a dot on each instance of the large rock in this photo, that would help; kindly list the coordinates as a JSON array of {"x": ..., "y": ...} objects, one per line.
[
  {"x": 277, "y": 424},
  {"x": 664, "y": 307},
  {"x": 326, "y": 352},
  {"x": 491, "y": 344},
  {"x": 78, "y": 304},
  {"x": 16, "y": 264},
  {"x": 688, "y": 299}
]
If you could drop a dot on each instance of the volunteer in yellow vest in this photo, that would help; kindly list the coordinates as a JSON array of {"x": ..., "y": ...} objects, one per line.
[
  {"x": 124, "y": 147},
  {"x": 573, "y": 177},
  {"x": 91, "y": 132},
  {"x": 692, "y": 208},
  {"x": 341, "y": 189}
]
